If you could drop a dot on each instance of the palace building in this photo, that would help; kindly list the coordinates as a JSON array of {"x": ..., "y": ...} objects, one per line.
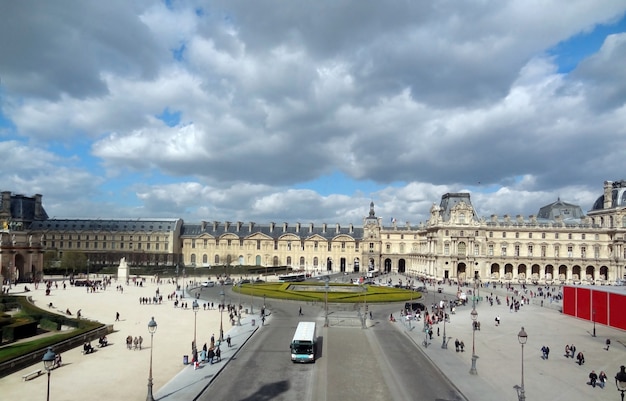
[{"x": 560, "y": 244}]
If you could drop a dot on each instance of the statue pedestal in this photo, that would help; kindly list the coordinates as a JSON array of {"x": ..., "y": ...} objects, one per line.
[{"x": 122, "y": 270}]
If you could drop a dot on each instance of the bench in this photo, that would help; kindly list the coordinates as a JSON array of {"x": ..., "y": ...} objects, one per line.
[{"x": 32, "y": 375}]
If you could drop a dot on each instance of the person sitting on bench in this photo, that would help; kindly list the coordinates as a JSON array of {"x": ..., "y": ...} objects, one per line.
[{"x": 87, "y": 348}]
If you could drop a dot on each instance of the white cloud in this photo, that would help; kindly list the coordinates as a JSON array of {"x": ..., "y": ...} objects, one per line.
[{"x": 418, "y": 98}]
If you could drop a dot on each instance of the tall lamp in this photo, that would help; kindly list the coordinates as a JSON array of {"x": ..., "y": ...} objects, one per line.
[
  {"x": 474, "y": 316},
  {"x": 221, "y": 316},
  {"x": 620, "y": 380},
  {"x": 152, "y": 326},
  {"x": 326, "y": 279},
  {"x": 364, "y": 321},
  {"x": 594, "y": 322},
  {"x": 195, "y": 306},
  {"x": 48, "y": 362},
  {"x": 444, "y": 345},
  {"x": 522, "y": 337}
]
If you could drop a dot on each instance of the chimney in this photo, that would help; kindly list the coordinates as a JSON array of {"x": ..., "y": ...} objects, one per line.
[
  {"x": 324, "y": 228},
  {"x": 272, "y": 225},
  {"x": 608, "y": 198},
  {"x": 250, "y": 226},
  {"x": 284, "y": 227},
  {"x": 337, "y": 228},
  {"x": 202, "y": 226},
  {"x": 297, "y": 227},
  {"x": 6, "y": 201},
  {"x": 226, "y": 225},
  {"x": 239, "y": 224},
  {"x": 38, "y": 208},
  {"x": 215, "y": 225},
  {"x": 351, "y": 229}
]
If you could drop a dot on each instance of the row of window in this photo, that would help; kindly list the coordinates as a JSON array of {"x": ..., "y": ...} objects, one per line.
[
  {"x": 258, "y": 260},
  {"x": 543, "y": 235},
  {"x": 461, "y": 250},
  {"x": 206, "y": 244},
  {"x": 106, "y": 245},
  {"x": 103, "y": 237}
]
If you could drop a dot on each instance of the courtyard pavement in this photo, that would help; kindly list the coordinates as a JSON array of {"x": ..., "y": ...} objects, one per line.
[{"x": 114, "y": 372}]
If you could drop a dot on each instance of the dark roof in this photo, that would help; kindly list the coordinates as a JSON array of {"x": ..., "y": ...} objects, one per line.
[
  {"x": 273, "y": 231},
  {"x": 23, "y": 208},
  {"x": 106, "y": 225},
  {"x": 450, "y": 200},
  {"x": 560, "y": 208}
]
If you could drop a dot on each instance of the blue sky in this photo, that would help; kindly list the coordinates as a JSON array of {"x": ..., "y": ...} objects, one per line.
[{"x": 227, "y": 111}]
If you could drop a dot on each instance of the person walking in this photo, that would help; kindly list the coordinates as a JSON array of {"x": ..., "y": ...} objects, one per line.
[
  {"x": 567, "y": 350},
  {"x": 580, "y": 359},
  {"x": 228, "y": 340},
  {"x": 608, "y": 343},
  {"x": 300, "y": 312},
  {"x": 593, "y": 378},
  {"x": 572, "y": 349},
  {"x": 602, "y": 379},
  {"x": 117, "y": 316}
]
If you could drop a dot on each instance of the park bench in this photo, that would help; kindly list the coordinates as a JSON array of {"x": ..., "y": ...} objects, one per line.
[{"x": 32, "y": 375}]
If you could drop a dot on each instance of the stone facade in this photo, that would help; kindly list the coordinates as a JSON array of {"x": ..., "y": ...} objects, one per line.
[{"x": 558, "y": 245}]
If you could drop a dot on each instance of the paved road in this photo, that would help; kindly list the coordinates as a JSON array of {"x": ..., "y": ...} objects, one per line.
[
  {"x": 379, "y": 363},
  {"x": 262, "y": 369}
]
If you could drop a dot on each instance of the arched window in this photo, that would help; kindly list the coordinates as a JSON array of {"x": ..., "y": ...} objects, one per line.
[
  {"x": 205, "y": 259},
  {"x": 461, "y": 249},
  {"x": 301, "y": 261},
  {"x": 315, "y": 262},
  {"x": 462, "y": 218},
  {"x": 193, "y": 258},
  {"x": 288, "y": 260},
  {"x": 217, "y": 259}
]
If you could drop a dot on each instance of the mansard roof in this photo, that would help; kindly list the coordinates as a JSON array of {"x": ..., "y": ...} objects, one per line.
[
  {"x": 450, "y": 200},
  {"x": 22, "y": 208},
  {"x": 141, "y": 224},
  {"x": 560, "y": 208},
  {"x": 275, "y": 231}
]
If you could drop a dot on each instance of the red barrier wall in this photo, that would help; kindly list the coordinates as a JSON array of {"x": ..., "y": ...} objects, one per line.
[{"x": 609, "y": 306}]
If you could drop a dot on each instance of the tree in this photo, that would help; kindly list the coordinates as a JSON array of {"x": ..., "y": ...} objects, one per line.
[
  {"x": 74, "y": 260},
  {"x": 50, "y": 259}
]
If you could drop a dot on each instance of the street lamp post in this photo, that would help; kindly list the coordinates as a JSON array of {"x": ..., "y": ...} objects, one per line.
[
  {"x": 326, "y": 279},
  {"x": 252, "y": 296},
  {"x": 522, "y": 337},
  {"x": 620, "y": 380},
  {"x": 239, "y": 307},
  {"x": 444, "y": 345},
  {"x": 195, "y": 307},
  {"x": 594, "y": 322},
  {"x": 364, "y": 321},
  {"x": 474, "y": 316},
  {"x": 152, "y": 326},
  {"x": 221, "y": 316},
  {"x": 48, "y": 362}
]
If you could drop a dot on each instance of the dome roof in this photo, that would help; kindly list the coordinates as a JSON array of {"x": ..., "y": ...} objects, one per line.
[{"x": 618, "y": 196}]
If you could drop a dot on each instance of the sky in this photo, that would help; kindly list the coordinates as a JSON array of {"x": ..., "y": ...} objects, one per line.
[{"x": 307, "y": 111}]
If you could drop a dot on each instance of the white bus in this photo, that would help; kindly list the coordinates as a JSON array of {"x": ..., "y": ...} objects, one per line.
[
  {"x": 304, "y": 343},
  {"x": 291, "y": 277}
]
